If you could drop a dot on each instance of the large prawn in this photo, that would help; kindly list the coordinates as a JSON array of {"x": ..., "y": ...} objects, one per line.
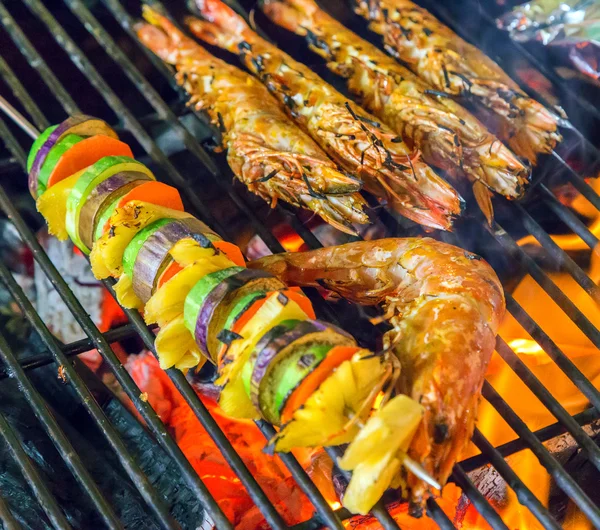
[
  {"x": 356, "y": 140},
  {"x": 444, "y": 306},
  {"x": 448, "y": 136},
  {"x": 451, "y": 65},
  {"x": 266, "y": 151}
]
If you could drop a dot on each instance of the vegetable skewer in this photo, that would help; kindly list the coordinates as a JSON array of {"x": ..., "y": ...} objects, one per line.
[{"x": 273, "y": 358}]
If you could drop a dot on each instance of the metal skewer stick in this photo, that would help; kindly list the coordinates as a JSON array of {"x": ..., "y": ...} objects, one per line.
[{"x": 20, "y": 120}]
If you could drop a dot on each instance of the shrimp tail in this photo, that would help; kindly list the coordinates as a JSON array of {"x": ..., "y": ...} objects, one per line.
[
  {"x": 289, "y": 13},
  {"x": 444, "y": 351},
  {"x": 221, "y": 27}
]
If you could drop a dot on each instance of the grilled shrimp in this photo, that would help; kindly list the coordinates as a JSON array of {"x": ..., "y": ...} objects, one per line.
[
  {"x": 448, "y": 136},
  {"x": 352, "y": 137},
  {"x": 453, "y": 66},
  {"x": 444, "y": 305},
  {"x": 265, "y": 150}
]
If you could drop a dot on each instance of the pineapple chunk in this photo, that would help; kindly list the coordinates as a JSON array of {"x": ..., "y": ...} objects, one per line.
[
  {"x": 321, "y": 420},
  {"x": 187, "y": 250},
  {"x": 234, "y": 400},
  {"x": 369, "y": 481},
  {"x": 52, "y": 204},
  {"x": 375, "y": 455},
  {"x": 175, "y": 346},
  {"x": 167, "y": 302},
  {"x": 125, "y": 295},
  {"x": 107, "y": 255}
]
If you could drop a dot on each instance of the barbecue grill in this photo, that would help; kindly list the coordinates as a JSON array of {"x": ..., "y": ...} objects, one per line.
[{"x": 121, "y": 81}]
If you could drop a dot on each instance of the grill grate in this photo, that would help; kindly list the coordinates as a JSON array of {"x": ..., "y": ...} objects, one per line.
[{"x": 496, "y": 237}]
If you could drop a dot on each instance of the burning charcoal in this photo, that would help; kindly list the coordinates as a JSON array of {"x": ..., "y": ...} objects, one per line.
[{"x": 95, "y": 453}]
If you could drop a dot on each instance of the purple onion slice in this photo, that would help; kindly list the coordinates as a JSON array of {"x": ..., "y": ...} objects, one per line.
[
  {"x": 79, "y": 124},
  {"x": 154, "y": 256},
  {"x": 100, "y": 196},
  {"x": 213, "y": 312},
  {"x": 283, "y": 352}
]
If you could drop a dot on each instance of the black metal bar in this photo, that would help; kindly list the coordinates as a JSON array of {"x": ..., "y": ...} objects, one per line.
[
  {"x": 35, "y": 61},
  {"x": 481, "y": 504},
  {"x": 19, "y": 91},
  {"x": 546, "y": 433},
  {"x": 153, "y": 499},
  {"x": 8, "y": 521},
  {"x": 559, "y": 255},
  {"x": 85, "y": 66},
  {"x": 126, "y": 331},
  {"x": 437, "y": 514},
  {"x": 34, "y": 480},
  {"x": 548, "y": 400},
  {"x": 561, "y": 477},
  {"x": 326, "y": 514},
  {"x": 208, "y": 422},
  {"x": 554, "y": 352},
  {"x": 569, "y": 218},
  {"x": 579, "y": 182},
  {"x": 524, "y": 494},
  {"x": 61, "y": 442},
  {"x": 568, "y": 307},
  {"x": 123, "y": 332},
  {"x": 12, "y": 144}
]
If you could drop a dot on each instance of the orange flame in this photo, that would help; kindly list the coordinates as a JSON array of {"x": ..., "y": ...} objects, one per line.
[{"x": 571, "y": 340}]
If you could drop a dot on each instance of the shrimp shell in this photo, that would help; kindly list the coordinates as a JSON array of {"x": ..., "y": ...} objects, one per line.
[
  {"x": 265, "y": 150},
  {"x": 440, "y": 57},
  {"x": 444, "y": 305},
  {"x": 448, "y": 136},
  {"x": 353, "y": 138}
]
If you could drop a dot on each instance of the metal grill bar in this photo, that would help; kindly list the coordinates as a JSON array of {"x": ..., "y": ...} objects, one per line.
[
  {"x": 554, "y": 352},
  {"x": 565, "y": 215},
  {"x": 19, "y": 91},
  {"x": 561, "y": 477},
  {"x": 34, "y": 479},
  {"x": 542, "y": 279},
  {"x": 524, "y": 494},
  {"x": 9, "y": 522},
  {"x": 559, "y": 256},
  {"x": 547, "y": 433},
  {"x": 137, "y": 476},
  {"x": 61, "y": 442},
  {"x": 11, "y": 143},
  {"x": 542, "y": 393},
  {"x": 478, "y": 500},
  {"x": 328, "y": 517},
  {"x": 123, "y": 332}
]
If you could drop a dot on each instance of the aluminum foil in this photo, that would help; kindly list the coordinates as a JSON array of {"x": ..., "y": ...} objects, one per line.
[{"x": 570, "y": 24}]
